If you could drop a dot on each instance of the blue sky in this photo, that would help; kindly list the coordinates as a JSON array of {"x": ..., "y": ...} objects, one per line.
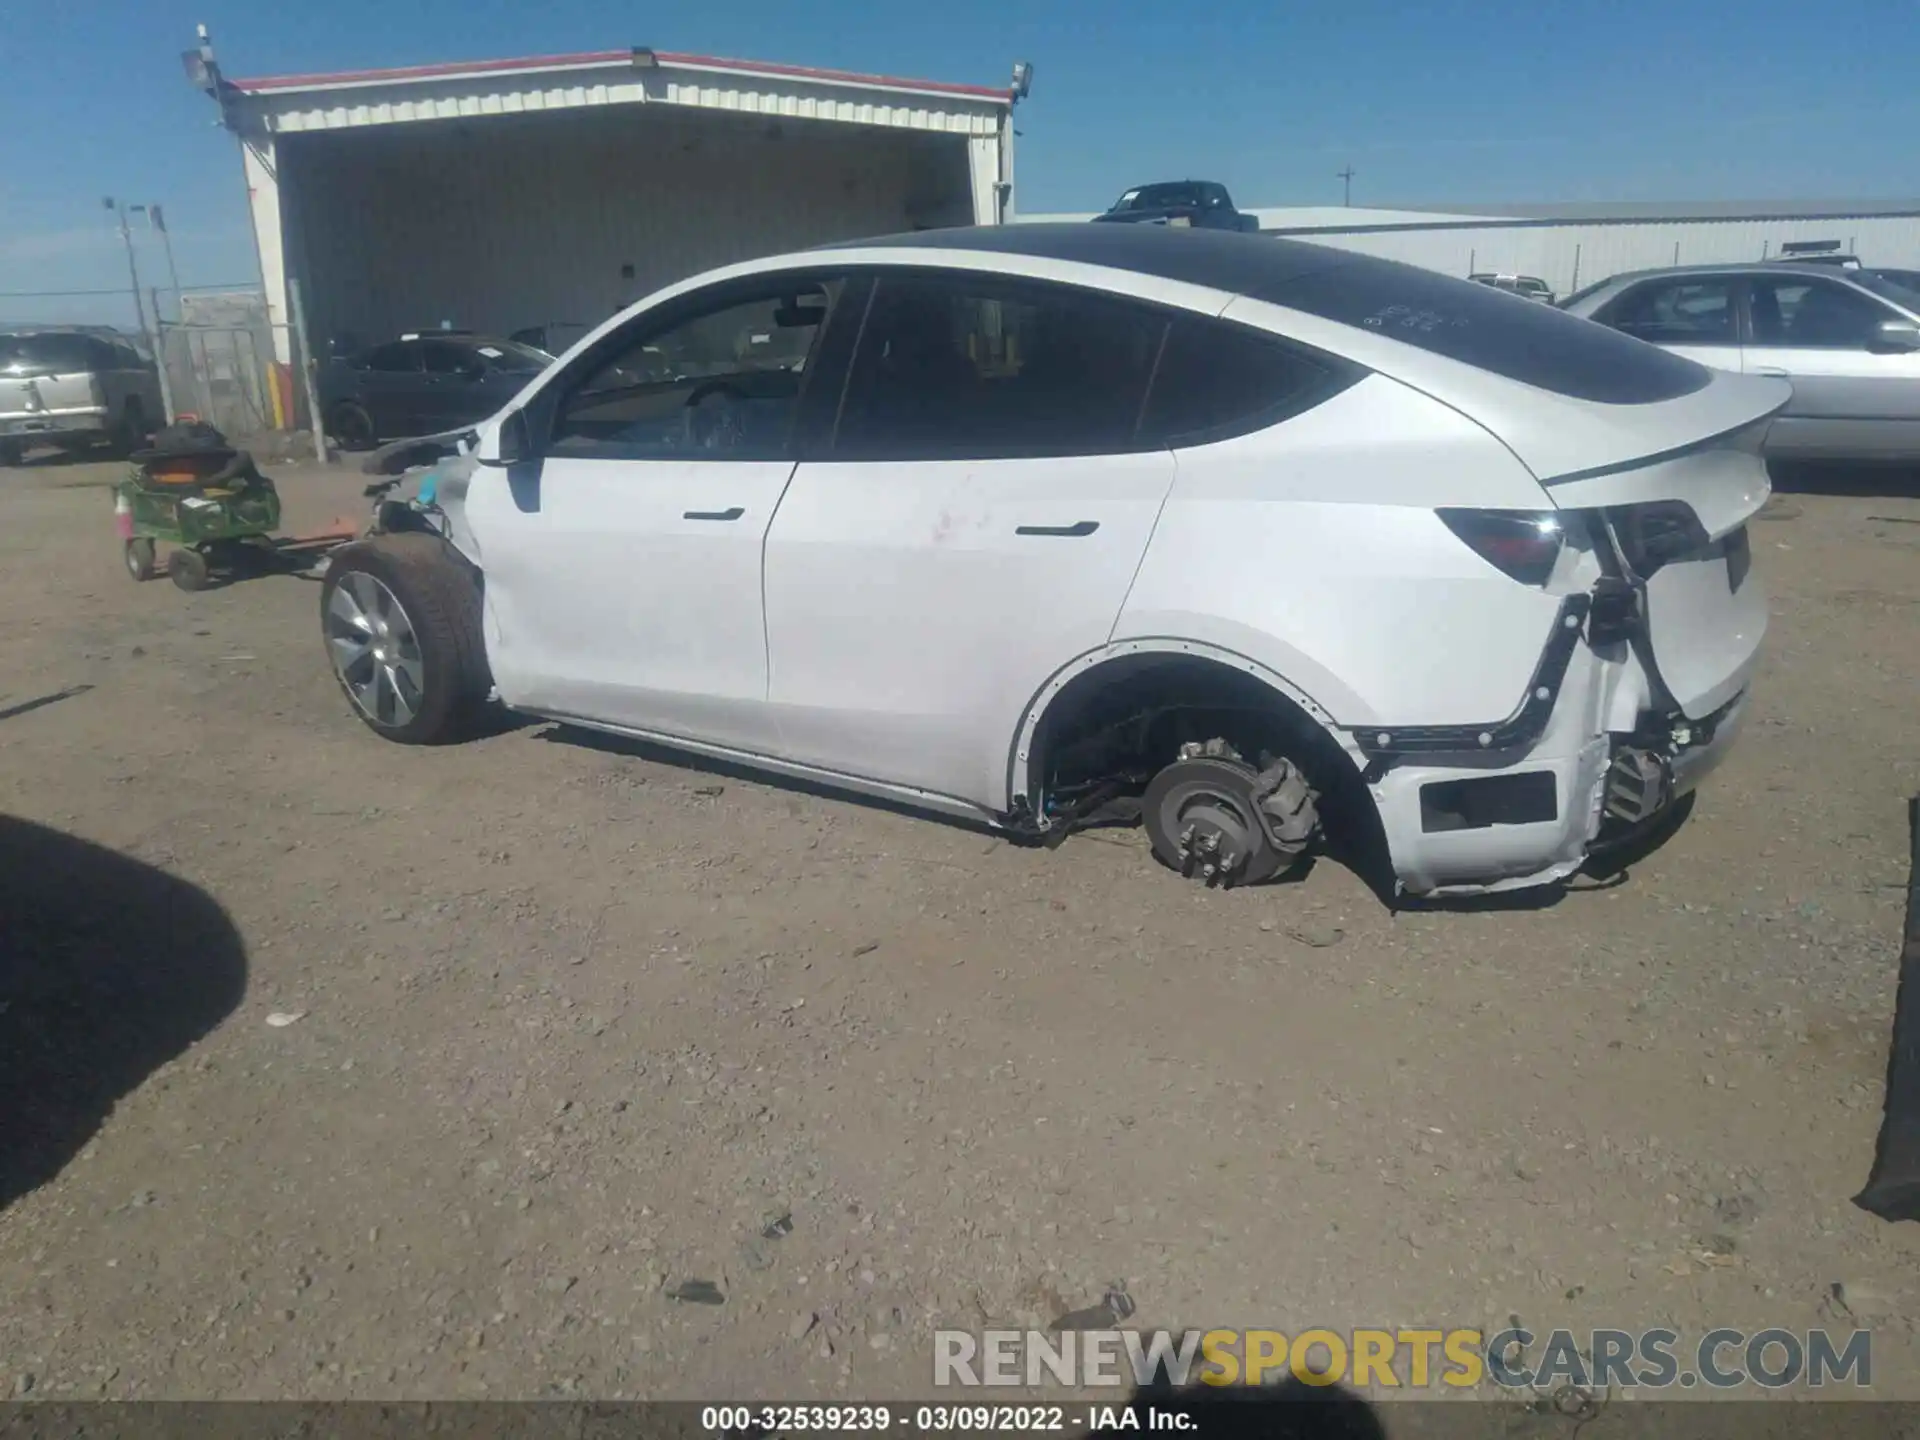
[{"x": 1431, "y": 103}]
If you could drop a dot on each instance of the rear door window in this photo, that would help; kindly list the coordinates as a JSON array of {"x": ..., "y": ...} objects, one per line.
[
  {"x": 1217, "y": 379},
  {"x": 971, "y": 367},
  {"x": 445, "y": 358}
]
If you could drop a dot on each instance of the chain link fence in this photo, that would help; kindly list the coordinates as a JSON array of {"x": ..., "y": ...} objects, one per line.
[{"x": 218, "y": 360}]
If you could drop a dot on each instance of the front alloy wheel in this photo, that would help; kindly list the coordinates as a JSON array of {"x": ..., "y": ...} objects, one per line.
[
  {"x": 400, "y": 615},
  {"x": 376, "y": 654}
]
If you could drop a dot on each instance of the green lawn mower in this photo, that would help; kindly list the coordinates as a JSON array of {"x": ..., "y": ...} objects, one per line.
[{"x": 198, "y": 494}]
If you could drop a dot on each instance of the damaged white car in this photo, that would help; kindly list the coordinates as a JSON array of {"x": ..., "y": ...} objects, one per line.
[{"x": 1033, "y": 524}]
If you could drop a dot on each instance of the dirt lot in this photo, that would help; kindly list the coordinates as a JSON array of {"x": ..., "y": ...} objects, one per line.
[{"x": 575, "y": 1024}]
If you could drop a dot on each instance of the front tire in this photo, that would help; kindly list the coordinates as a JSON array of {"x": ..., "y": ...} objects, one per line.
[
  {"x": 139, "y": 557},
  {"x": 401, "y": 618},
  {"x": 352, "y": 426}
]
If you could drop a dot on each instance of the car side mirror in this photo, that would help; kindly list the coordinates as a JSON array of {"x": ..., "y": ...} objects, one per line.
[
  {"x": 1895, "y": 337},
  {"x": 509, "y": 443}
]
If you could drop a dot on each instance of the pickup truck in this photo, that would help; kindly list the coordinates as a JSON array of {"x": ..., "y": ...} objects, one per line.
[{"x": 1201, "y": 204}]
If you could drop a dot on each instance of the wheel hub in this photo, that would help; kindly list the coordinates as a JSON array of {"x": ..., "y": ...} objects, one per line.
[
  {"x": 375, "y": 650},
  {"x": 1214, "y": 841},
  {"x": 1214, "y": 818}
]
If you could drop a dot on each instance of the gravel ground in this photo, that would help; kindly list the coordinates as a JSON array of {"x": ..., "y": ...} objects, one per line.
[{"x": 574, "y": 1026}]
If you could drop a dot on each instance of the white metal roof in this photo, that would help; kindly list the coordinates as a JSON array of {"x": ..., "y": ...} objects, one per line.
[
  {"x": 342, "y": 100},
  {"x": 1304, "y": 217}
]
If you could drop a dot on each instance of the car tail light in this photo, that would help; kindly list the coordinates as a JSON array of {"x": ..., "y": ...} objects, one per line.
[
  {"x": 1655, "y": 534},
  {"x": 1521, "y": 544}
]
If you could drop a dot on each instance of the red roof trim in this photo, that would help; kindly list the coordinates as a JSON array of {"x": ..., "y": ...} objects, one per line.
[{"x": 614, "y": 57}]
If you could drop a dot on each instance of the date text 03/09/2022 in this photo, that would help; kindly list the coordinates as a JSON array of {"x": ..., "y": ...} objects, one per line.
[{"x": 778, "y": 1420}]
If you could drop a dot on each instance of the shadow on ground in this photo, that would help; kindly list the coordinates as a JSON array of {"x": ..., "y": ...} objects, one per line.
[
  {"x": 1876, "y": 481},
  {"x": 1290, "y": 1411},
  {"x": 54, "y": 458},
  {"x": 109, "y": 968}
]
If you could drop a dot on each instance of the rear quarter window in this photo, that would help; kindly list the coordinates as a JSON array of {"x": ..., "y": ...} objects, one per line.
[
  {"x": 52, "y": 354},
  {"x": 1216, "y": 380},
  {"x": 1505, "y": 334}
]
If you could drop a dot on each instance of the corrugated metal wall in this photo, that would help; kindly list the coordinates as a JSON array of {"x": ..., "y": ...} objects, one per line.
[
  {"x": 496, "y": 225},
  {"x": 1574, "y": 254}
]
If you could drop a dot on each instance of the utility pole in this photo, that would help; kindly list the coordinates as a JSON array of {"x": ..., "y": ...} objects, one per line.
[
  {"x": 1346, "y": 178},
  {"x": 160, "y": 360},
  {"x": 157, "y": 218},
  {"x": 133, "y": 272}
]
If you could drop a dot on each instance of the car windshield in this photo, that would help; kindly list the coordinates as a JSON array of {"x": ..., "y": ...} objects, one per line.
[
  {"x": 44, "y": 354},
  {"x": 514, "y": 357},
  {"x": 1154, "y": 197},
  {"x": 1901, "y": 287}
]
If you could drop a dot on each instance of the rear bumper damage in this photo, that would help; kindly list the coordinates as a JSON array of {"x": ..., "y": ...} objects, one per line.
[{"x": 1588, "y": 760}]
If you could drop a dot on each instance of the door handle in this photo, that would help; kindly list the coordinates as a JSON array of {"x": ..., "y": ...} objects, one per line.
[
  {"x": 1071, "y": 532},
  {"x": 1773, "y": 371},
  {"x": 734, "y": 514}
]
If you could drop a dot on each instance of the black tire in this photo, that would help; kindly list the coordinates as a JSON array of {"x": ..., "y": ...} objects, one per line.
[
  {"x": 187, "y": 569},
  {"x": 139, "y": 556},
  {"x": 440, "y": 595},
  {"x": 352, "y": 426}
]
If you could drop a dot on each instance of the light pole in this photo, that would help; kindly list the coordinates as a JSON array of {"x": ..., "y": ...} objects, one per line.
[
  {"x": 133, "y": 271},
  {"x": 157, "y": 218},
  {"x": 1346, "y": 183},
  {"x": 159, "y": 222}
]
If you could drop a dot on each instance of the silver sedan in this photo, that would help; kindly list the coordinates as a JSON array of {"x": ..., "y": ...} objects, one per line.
[{"x": 1849, "y": 340}]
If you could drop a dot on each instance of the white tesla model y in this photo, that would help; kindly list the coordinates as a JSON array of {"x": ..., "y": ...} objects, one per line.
[{"x": 1034, "y": 523}]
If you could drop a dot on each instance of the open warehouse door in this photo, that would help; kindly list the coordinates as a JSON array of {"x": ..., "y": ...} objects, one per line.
[{"x": 539, "y": 196}]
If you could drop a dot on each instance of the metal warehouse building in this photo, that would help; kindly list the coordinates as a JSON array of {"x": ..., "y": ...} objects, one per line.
[
  {"x": 1573, "y": 245},
  {"x": 1569, "y": 246},
  {"x": 552, "y": 191}
]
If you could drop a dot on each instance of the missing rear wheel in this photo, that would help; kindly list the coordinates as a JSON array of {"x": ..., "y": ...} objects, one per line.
[{"x": 1214, "y": 818}]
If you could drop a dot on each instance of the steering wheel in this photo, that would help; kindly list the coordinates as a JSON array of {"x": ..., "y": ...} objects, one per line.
[{"x": 715, "y": 416}]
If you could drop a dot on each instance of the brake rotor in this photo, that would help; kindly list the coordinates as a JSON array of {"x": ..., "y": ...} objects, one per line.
[{"x": 1203, "y": 819}]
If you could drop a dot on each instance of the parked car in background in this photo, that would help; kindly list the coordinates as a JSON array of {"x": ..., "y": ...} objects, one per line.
[
  {"x": 1200, "y": 204},
  {"x": 1816, "y": 252},
  {"x": 1530, "y": 286},
  {"x": 1849, "y": 340},
  {"x": 1031, "y": 523},
  {"x": 421, "y": 383},
  {"x": 74, "y": 387},
  {"x": 553, "y": 337}
]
